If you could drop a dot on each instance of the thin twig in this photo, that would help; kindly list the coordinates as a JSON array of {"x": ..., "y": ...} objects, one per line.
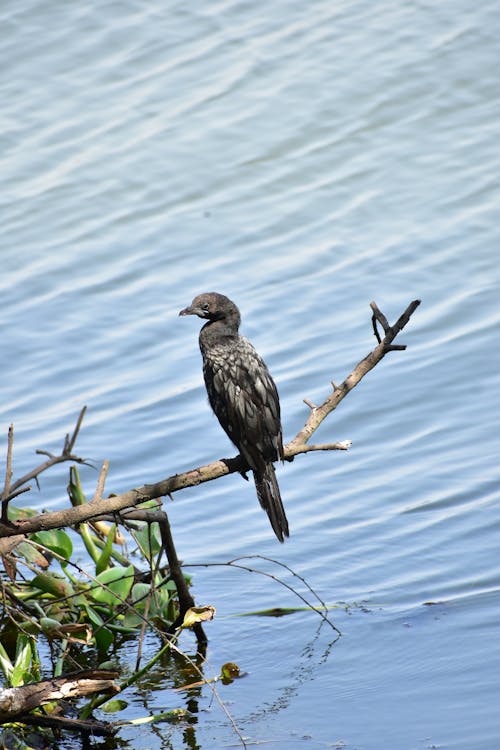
[
  {"x": 101, "y": 482},
  {"x": 12, "y": 495},
  {"x": 378, "y": 315},
  {"x": 290, "y": 570},
  {"x": 69, "y": 443},
  {"x": 215, "y": 692},
  {"x": 52, "y": 459},
  {"x": 8, "y": 469},
  {"x": 234, "y": 564},
  {"x": 8, "y": 475},
  {"x": 344, "y": 445},
  {"x": 309, "y": 404}
]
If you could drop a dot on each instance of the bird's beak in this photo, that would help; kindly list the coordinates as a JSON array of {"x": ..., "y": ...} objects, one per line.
[{"x": 193, "y": 311}]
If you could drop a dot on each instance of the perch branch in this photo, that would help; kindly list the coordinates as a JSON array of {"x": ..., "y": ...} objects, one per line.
[{"x": 299, "y": 444}]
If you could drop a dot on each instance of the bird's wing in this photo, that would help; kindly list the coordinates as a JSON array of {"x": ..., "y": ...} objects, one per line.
[{"x": 245, "y": 400}]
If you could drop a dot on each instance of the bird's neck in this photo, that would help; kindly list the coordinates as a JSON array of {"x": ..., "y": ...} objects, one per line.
[{"x": 220, "y": 330}]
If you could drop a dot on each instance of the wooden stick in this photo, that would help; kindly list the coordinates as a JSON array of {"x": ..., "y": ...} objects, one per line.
[{"x": 6, "y": 495}]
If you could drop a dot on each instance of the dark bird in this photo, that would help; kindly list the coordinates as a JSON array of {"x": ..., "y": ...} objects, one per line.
[{"x": 243, "y": 396}]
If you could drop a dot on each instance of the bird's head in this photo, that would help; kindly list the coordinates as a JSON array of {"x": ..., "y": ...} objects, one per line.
[{"x": 213, "y": 306}]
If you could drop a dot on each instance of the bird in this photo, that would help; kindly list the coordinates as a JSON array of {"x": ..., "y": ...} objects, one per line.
[{"x": 243, "y": 397}]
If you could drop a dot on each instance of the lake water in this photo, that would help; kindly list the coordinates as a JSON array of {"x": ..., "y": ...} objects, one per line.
[{"x": 304, "y": 159}]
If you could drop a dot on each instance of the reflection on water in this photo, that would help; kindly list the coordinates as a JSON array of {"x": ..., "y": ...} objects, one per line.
[{"x": 303, "y": 160}]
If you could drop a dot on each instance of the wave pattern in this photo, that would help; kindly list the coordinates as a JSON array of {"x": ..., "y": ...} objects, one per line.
[{"x": 303, "y": 159}]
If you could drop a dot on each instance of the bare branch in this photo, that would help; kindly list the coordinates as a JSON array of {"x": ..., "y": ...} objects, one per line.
[
  {"x": 185, "y": 599},
  {"x": 101, "y": 482},
  {"x": 309, "y": 404},
  {"x": 391, "y": 331},
  {"x": 69, "y": 443},
  {"x": 8, "y": 473},
  {"x": 344, "y": 445},
  {"x": 14, "y": 494},
  {"x": 299, "y": 444},
  {"x": 17, "y": 700},
  {"x": 8, "y": 469},
  {"x": 84, "y": 726},
  {"x": 362, "y": 368},
  {"x": 378, "y": 315},
  {"x": 52, "y": 459}
]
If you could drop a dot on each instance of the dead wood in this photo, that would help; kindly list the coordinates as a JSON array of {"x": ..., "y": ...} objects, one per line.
[
  {"x": 166, "y": 487},
  {"x": 18, "y": 700},
  {"x": 83, "y": 726}
]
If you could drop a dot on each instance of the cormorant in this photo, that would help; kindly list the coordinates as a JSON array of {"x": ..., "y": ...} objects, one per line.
[{"x": 243, "y": 397}]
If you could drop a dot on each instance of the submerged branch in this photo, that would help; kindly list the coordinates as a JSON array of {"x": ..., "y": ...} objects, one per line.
[{"x": 91, "y": 726}]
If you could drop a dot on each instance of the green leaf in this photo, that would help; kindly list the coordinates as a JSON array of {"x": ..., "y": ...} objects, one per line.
[
  {"x": 21, "y": 672},
  {"x": 75, "y": 491},
  {"x": 89, "y": 541},
  {"x": 161, "y": 605},
  {"x": 131, "y": 621},
  {"x": 103, "y": 561},
  {"x": 30, "y": 627},
  {"x": 140, "y": 592},
  {"x": 115, "y": 585},
  {"x": 49, "y": 625},
  {"x": 94, "y": 617},
  {"x": 53, "y": 584},
  {"x": 103, "y": 636},
  {"x": 113, "y": 706},
  {"x": 57, "y": 541},
  {"x": 176, "y": 714},
  {"x": 5, "y": 663},
  {"x": 103, "y": 639},
  {"x": 32, "y": 555},
  {"x": 148, "y": 539}
]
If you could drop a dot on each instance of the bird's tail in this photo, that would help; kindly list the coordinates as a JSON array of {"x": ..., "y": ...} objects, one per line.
[{"x": 269, "y": 496}]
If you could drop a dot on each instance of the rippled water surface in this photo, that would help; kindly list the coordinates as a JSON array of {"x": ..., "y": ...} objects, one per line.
[{"x": 303, "y": 158}]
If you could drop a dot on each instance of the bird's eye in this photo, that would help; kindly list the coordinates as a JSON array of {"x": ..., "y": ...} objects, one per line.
[{"x": 205, "y": 307}]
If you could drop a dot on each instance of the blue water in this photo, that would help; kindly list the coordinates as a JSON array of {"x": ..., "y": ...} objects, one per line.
[{"x": 303, "y": 159}]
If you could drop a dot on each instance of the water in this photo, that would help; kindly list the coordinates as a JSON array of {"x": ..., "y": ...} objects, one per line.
[{"x": 303, "y": 159}]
